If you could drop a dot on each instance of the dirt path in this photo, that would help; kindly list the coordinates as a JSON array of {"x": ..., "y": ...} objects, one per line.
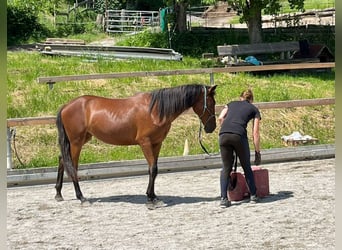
[{"x": 299, "y": 213}]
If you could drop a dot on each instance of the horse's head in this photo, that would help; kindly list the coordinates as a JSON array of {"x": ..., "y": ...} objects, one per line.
[{"x": 205, "y": 108}]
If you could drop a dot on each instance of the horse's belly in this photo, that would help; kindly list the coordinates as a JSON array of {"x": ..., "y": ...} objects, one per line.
[{"x": 115, "y": 136}]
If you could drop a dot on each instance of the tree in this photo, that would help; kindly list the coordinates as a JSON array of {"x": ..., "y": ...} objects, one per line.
[
  {"x": 23, "y": 20},
  {"x": 178, "y": 17},
  {"x": 180, "y": 8},
  {"x": 251, "y": 13}
]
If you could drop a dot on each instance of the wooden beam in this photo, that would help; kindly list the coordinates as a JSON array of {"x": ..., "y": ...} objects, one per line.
[
  {"x": 295, "y": 103},
  {"x": 114, "y": 169},
  {"x": 30, "y": 121},
  {"x": 55, "y": 79}
]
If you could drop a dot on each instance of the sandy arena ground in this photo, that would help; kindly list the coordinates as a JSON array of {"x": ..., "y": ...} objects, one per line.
[{"x": 299, "y": 213}]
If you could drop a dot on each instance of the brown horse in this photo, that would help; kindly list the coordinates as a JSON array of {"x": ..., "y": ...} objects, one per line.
[{"x": 143, "y": 119}]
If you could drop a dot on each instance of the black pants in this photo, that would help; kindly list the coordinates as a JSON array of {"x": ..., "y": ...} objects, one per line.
[{"x": 229, "y": 143}]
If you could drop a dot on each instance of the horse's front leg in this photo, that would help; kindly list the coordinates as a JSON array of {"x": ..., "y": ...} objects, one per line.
[
  {"x": 151, "y": 153},
  {"x": 152, "y": 200},
  {"x": 152, "y": 173}
]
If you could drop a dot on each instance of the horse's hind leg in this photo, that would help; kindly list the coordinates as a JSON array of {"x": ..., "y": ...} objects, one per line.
[
  {"x": 59, "y": 182},
  {"x": 75, "y": 152}
]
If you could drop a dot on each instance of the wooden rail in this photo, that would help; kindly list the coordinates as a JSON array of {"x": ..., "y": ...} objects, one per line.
[
  {"x": 29, "y": 121},
  {"x": 54, "y": 79},
  {"x": 295, "y": 103}
]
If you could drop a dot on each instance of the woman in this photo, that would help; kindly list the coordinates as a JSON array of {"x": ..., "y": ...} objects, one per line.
[{"x": 233, "y": 137}]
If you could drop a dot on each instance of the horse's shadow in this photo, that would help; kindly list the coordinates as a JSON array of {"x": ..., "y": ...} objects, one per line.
[
  {"x": 176, "y": 200},
  {"x": 141, "y": 199}
]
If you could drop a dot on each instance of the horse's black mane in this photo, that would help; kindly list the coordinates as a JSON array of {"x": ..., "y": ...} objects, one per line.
[{"x": 175, "y": 99}]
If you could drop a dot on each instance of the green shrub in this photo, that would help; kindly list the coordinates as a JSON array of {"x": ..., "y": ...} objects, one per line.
[
  {"x": 146, "y": 38},
  {"x": 23, "y": 25},
  {"x": 203, "y": 40}
]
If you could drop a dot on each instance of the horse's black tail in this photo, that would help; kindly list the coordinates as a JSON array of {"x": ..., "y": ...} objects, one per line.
[{"x": 64, "y": 145}]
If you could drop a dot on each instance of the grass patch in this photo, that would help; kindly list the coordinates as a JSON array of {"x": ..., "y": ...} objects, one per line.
[{"x": 308, "y": 5}]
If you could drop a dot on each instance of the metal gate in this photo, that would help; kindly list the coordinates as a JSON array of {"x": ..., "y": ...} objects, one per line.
[{"x": 121, "y": 21}]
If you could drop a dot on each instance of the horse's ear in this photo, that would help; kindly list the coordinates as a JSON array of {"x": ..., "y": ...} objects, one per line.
[{"x": 212, "y": 89}]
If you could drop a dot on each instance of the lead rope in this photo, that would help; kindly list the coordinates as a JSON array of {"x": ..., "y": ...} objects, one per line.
[
  {"x": 200, "y": 139},
  {"x": 233, "y": 179},
  {"x": 200, "y": 127},
  {"x": 13, "y": 132}
]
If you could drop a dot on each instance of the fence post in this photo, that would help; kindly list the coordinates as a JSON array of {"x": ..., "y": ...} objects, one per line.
[
  {"x": 51, "y": 85},
  {"x": 211, "y": 78},
  {"x": 9, "y": 150}
]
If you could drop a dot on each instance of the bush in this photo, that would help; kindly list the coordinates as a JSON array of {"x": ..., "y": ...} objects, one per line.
[
  {"x": 23, "y": 25},
  {"x": 146, "y": 39},
  {"x": 205, "y": 40},
  {"x": 190, "y": 43}
]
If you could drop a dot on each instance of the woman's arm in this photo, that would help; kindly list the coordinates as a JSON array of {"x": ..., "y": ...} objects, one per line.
[
  {"x": 223, "y": 114},
  {"x": 256, "y": 134},
  {"x": 256, "y": 141}
]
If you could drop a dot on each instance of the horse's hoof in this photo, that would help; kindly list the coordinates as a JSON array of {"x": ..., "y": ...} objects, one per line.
[
  {"x": 155, "y": 203},
  {"x": 59, "y": 198},
  {"x": 85, "y": 202},
  {"x": 82, "y": 199}
]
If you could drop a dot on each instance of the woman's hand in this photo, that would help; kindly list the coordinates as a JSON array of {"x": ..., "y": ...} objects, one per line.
[{"x": 257, "y": 159}]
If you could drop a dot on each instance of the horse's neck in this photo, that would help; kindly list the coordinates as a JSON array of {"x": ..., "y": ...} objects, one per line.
[{"x": 166, "y": 120}]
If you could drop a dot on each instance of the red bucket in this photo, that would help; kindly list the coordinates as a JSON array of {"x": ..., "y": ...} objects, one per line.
[
  {"x": 241, "y": 191},
  {"x": 261, "y": 181}
]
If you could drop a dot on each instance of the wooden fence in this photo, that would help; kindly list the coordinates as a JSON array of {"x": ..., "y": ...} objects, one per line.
[
  {"x": 32, "y": 121},
  {"x": 51, "y": 80}
]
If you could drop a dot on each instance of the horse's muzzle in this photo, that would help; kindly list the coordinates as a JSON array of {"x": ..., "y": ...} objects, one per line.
[
  {"x": 209, "y": 128},
  {"x": 210, "y": 124}
]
